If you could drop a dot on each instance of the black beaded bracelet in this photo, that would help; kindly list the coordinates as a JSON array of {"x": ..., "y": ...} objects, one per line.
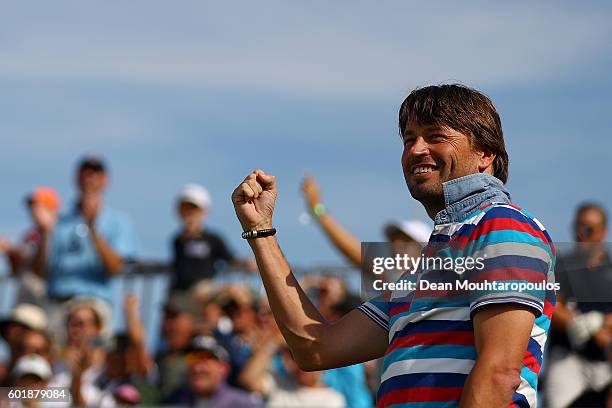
[{"x": 259, "y": 233}]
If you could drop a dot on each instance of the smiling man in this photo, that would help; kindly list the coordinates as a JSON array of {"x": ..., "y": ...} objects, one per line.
[{"x": 481, "y": 350}]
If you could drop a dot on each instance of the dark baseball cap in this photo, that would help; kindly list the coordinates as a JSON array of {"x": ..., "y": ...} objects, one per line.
[
  {"x": 207, "y": 344},
  {"x": 94, "y": 163}
]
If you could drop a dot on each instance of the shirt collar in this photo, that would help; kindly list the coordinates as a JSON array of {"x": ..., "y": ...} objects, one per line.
[{"x": 465, "y": 194}]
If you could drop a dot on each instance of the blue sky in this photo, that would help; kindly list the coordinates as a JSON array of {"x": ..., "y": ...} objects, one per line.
[{"x": 193, "y": 91}]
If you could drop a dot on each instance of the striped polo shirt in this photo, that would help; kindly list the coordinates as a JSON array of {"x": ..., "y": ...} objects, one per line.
[{"x": 431, "y": 334}]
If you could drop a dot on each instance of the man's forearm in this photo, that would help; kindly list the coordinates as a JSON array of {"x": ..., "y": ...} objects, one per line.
[
  {"x": 252, "y": 376},
  {"x": 111, "y": 261},
  {"x": 40, "y": 260},
  {"x": 298, "y": 319}
]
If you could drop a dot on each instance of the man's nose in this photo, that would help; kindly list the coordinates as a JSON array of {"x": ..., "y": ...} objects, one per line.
[{"x": 419, "y": 147}]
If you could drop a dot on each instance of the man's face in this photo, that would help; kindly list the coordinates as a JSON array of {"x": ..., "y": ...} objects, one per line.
[
  {"x": 589, "y": 226},
  {"x": 436, "y": 154},
  {"x": 191, "y": 215},
  {"x": 34, "y": 342},
  {"x": 91, "y": 181},
  {"x": 206, "y": 373},
  {"x": 177, "y": 330},
  {"x": 244, "y": 317},
  {"x": 82, "y": 326}
]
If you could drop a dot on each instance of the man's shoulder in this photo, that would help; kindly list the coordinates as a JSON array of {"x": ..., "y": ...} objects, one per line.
[{"x": 500, "y": 216}]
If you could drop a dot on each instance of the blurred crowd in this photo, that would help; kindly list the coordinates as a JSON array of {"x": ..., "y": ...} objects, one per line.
[{"x": 220, "y": 346}]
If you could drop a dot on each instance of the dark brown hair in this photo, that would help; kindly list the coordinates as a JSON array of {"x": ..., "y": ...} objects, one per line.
[{"x": 463, "y": 109}]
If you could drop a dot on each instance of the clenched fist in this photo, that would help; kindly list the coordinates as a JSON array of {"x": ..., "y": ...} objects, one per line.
[{"x": 254, "y": 201}]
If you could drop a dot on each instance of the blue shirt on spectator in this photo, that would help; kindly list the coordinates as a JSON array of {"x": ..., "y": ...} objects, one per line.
[
  {"x": 74, "y": 265},
  {"x": 351, "y": 382}
]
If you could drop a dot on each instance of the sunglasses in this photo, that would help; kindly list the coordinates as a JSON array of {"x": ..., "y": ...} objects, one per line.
[
  {"x": 585, "y": 230},
  {"x": 200, "y": 356}
]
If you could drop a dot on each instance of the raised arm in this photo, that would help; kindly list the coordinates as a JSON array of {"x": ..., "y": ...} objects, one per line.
[
  {"x": 45, "y": 219},
  {"x": 343, "y": 240},
  {"x": 137, "y": 336},
  {"x": 315, "y": 343}
]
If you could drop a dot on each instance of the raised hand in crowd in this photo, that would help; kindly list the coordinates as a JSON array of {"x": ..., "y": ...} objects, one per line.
[
  {"x": 143, "y": 362},
  {"x": 343, "y": 240},
  {"x": 91, "y": 203}
]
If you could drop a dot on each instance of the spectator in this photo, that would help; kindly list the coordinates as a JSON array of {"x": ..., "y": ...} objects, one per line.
[
  {"x": 272, "y": 373},
  {"x": 305, "y": 389},
  {"x": 579, "y": 370},
  {"x": 43, "y": 204},
  {"x": 208, "y": 368},
  {"x": 81, "y": 362},
  {"x": 241, "y": 308},
  {"x": 326, "y": 291},
  {"x": 129, "y": 371},
  {"x": 178, "y": 329},
  {"x": 23, "y": 319},
  {"x": 214, "y": 320},
  {"x": 31, "y": 372},
  {"x": 89, "y": 244},
  {"x": 197, "y": 251},
  {"x": 33, "y": 342}
]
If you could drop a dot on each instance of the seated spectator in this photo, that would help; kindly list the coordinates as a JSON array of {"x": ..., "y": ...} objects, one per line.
[
  {"x": 87, "y": 245},
  {"x": 31, "y": 372},
  {"x": 24, "y": 318},
  {"x": 206, "y": 386},
  {"x": 33, "y": 342},
  {"x": 265, "y": 365},
  {"x": 81, "y": 362},
  {"x": 129, "y": 372},
  {"x": 178, "y": 329},
  {"x": 43, "y": 204},
  {"x": 240, "y": 306},
  {"x": 325, "y": 291},
  {"x": 304, "y": 389},
  {"x": 209, "y": 298},
  {"x": 198, "y": 251}
]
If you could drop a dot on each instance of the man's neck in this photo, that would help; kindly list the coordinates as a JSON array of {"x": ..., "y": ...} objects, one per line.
[
  {"x": 193, "y": 233},
  {"x": 433, "y": 206}
]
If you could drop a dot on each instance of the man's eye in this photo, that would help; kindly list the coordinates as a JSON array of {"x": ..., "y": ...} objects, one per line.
[
  {"x": 437, "y": 137},
  {"x": 408, "y": 140}
]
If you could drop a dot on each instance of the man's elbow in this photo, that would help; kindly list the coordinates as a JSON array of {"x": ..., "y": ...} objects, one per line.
[
  {"x": 115, "y": 268},
  {"x": 309, "y": 363},
  {"x": 503, "y": 377}
]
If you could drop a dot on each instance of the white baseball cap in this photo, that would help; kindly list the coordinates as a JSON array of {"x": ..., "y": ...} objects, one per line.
[
  {"x": 31, "y": 316},
  {"x": 416, "y": 229},
  {"x": 196, "y": 195},
  {"x": 32, "y": 364}
]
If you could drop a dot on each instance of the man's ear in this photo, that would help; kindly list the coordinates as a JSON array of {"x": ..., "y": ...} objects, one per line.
[{"x": 485, "y": 162}]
